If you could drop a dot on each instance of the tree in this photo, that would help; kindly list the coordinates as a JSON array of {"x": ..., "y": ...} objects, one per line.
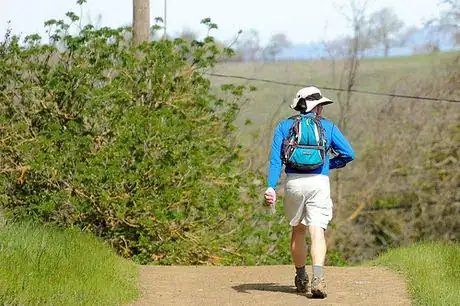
[
  {"x": 385, "y": 26},
  {"x": 449, "y": 20},
  {"x": 188, "y": 35},
  {"x": 277, "y": 43},
  {"x": 406, "y": 37},
  {"x": 141, "y": 21},
  {"x": 350, "y": 49},
  {"x": 249, "y": 45}
]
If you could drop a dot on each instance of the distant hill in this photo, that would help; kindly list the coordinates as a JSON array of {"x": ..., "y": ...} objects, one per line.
[{"x": 415, "y": 44}]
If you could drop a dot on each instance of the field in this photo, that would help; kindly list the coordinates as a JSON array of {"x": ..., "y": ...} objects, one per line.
[
  {"x": 382, "y": 199},
  {"x": 404, "y": 75}
]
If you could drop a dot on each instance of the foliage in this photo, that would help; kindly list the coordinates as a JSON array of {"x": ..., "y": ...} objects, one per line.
[
  {"x": 413, "y": 194},
  {"x": 248, "y": 46},
  {"x": 278, "y": 42},
  {"x": 125, "y": 142},
  {"x": 42, "y": 265},
  {"x": 130, "y": 143},
  {"x": 432, "y": 270},
  {"x": 385, "y": 27}
]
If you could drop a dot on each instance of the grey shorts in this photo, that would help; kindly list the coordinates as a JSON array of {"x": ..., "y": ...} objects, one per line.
[{"x": 308, "y": 200}]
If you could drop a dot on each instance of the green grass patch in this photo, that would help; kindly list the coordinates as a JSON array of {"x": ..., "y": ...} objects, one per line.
[
  {"x": 431, "y": 268},
  {"x": 420, "y": 58},
  {"x": 41, "y": 265}
]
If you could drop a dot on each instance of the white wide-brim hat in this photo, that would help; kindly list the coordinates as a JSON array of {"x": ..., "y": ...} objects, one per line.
[{"x": 312, "y": 96}]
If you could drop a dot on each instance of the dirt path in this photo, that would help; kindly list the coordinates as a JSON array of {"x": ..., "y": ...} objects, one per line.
[{"x": 268, "y": 285}]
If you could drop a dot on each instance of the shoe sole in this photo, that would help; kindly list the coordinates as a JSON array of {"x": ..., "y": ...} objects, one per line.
[{"x": 316, "y": 293}]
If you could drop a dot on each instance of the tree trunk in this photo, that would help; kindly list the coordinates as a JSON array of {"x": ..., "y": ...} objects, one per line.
[
  {"x": 141, "y": 21},
  {"x": 387, "y": 49}
]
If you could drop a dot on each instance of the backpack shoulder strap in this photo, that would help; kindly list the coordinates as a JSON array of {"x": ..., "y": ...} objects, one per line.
[
  {"x": 294, "y": 130},
  {"x": 319, "y": 129}
]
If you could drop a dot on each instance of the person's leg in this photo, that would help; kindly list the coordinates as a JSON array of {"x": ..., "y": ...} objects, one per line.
[
  {"x": 299, "y": 245},
  {"x": 318, "y": 245},
  {"x": 299, "y": 254},
  {"x": 318, "y": 255}
]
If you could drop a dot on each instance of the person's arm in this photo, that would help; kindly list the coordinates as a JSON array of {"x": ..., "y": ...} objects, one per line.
[
  {"x": 276, "y": 164},
  {"x": 342, "y": 147}
]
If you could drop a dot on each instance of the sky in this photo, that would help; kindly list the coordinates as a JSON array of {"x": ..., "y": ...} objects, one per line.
[{"x": 303, "y": 21}]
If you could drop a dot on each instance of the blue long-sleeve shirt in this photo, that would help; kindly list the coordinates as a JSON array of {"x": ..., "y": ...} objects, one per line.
[{"x": 334, "y": 140}]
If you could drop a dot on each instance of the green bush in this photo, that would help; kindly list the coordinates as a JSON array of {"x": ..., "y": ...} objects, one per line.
[
  {"x": 127, "y": 142},
  {"x": 123, "y": 141},
  {"x": 132, "y": 144}
]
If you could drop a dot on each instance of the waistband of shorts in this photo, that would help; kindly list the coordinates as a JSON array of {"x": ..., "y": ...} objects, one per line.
[{"x": 301, "y": 175}]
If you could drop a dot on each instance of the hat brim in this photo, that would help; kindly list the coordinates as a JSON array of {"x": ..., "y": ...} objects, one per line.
[{"x": 312, "y": 104}]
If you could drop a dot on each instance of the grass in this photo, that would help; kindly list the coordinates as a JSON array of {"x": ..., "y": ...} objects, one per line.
[
  {"x": 421, "y": 58},
  {"x": 47, "y": 266},
  {"x": 432, "y": 270}
]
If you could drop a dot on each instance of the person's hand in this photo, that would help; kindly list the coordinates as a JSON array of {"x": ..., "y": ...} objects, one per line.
[{"x": 270, "y": 196}]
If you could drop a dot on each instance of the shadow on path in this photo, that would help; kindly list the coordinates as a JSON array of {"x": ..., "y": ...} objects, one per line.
[
  {"x": 244, "y": 288},
  {"x": 274, "y": 287}
]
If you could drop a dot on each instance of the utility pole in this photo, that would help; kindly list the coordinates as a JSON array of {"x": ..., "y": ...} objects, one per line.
[
  {"x": 165, "y": 18},
  {"x": 141, "y": 21}
]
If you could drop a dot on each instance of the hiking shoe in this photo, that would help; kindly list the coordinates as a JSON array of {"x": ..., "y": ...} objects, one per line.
[
  {"x": 318, "y": 288},
  {"x": 301, "y": 284}
]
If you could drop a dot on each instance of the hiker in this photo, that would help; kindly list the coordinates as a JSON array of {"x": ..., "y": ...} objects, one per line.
[{"x": 303, "y": 143}]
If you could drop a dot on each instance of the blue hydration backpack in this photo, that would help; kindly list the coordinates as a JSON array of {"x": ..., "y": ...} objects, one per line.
[{"x": 305, "y": 147}]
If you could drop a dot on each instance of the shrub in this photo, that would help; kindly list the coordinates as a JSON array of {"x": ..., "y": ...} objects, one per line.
[
  {"x": 127, "y": 142},
  {"x": 132, "y": 144}
]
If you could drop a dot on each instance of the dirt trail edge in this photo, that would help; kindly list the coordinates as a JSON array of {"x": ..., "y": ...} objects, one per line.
[{"x": 267, "y": 285}]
